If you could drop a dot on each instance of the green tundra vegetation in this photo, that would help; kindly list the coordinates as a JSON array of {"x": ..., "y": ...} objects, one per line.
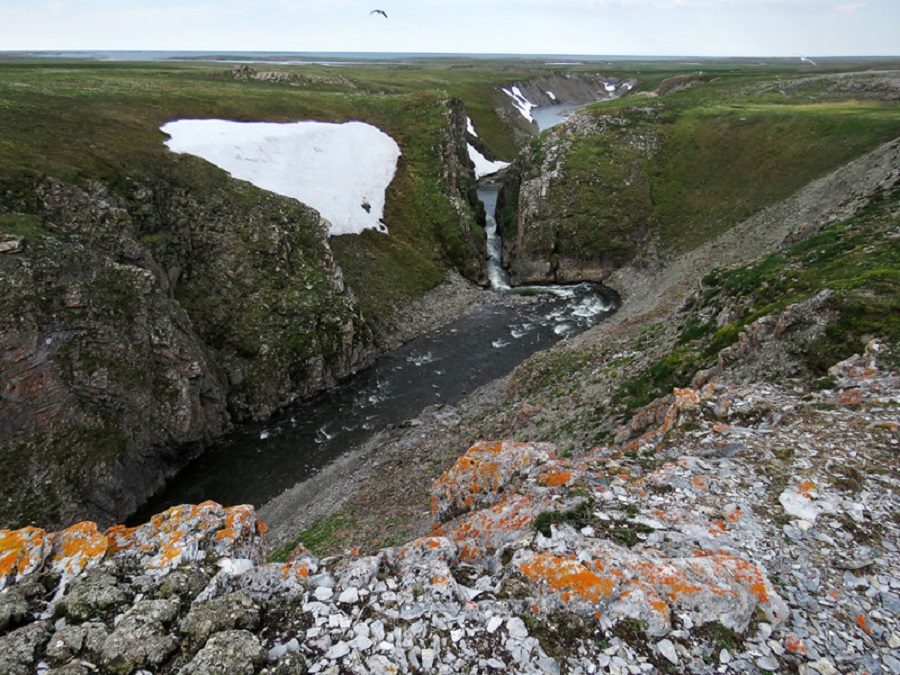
[
  {"x": 90, "y": 121},
  {"x": 689, "y": 163}
]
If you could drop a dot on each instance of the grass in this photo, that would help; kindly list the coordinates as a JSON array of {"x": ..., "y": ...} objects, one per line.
[
  {"x": 857, "y": 259},
  {"x": 82, "y": 122},
  {"x": 326, "y": 536},
  {"x": 684, "y": 167}
]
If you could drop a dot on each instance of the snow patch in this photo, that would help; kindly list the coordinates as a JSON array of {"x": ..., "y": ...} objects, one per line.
[
  {"x": 484, "y": 166},
  {"x": 523, "y": 105},
  {"x": 341, "y": 170},
  {"x": 470, "y": 127}
]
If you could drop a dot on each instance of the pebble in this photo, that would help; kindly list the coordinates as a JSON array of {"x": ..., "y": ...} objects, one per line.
[
  {"x": 667, "y": 649},
  {"x": 323, "y": 593}
]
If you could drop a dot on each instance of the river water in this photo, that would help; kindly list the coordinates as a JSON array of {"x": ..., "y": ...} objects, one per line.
[{"x": 260, "y": 461}]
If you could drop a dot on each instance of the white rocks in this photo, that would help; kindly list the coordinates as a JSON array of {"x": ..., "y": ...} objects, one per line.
[
  {"x": 349, "y": 596},
  {"x": 493, "y": 624},
  {"x": 667, "y": 649},
  {"x": 338, "y": 651},
  {"x": 516, "y": 628},
  {"x": 323, "y": 593}
]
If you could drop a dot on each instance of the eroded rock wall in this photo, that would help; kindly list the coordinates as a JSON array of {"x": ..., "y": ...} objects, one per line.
[
  {"x": 559, "y": 226},
  {"x": 138, "y": 329}
]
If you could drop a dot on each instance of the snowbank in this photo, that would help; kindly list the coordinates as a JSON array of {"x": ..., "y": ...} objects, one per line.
[
  {"x": 484, "y": 166},
  {"x": 341, "y": 170},
  {"x": 522, "y": 104}
]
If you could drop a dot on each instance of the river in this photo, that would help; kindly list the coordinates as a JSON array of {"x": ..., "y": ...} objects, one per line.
[{"x": 260, "y": 461}]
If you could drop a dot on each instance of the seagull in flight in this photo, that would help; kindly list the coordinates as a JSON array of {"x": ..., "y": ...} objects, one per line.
[
  {"x": 809, "y": 60},
  {"x": 379, "y": 11}
]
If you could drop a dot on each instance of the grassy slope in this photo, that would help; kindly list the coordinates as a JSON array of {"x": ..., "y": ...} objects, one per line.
[{"x": 727, "y": 147}]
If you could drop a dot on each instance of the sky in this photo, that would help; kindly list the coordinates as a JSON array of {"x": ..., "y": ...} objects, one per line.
[{"x": 589, "y": 27}]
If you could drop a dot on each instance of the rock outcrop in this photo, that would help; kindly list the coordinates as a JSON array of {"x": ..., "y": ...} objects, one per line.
[
  {"x": 557, "y": 229},
  {"x": 135, "y": 331},
  {"x": 740, "y": 535}
]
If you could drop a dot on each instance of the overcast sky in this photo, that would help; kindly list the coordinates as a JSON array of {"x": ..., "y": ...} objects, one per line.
[{"x": 601, "y": 27}]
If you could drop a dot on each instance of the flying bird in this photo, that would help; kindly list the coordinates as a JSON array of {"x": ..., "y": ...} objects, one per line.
[
  {"x": 809, "y": 60},
  {"x": 379, "y": 11}
]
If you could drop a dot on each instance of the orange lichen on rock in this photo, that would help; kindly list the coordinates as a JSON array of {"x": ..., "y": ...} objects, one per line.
[
  {"x": 806, "y": 488},
  {"x": 487, "y": 470},
  {"x": 21, "y": 552},
  {"x": 120, "y": 538},
  {"x": 555, "y": 478},
  {"x": 569, "y": 578},
  {"x": 76, "y": 548},
  {"x": 863, "y": 623},
  {"x": 794, "y": 644},
  {"x": 487, "y": 530},
  {"x": 746, "y": 574}
]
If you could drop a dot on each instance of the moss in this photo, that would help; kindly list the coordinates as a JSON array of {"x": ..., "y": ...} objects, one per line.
[
  {"x": 560, "y": 632},
  {"x": 25, "y": 225},
  {"x": 323, "y": 538}
]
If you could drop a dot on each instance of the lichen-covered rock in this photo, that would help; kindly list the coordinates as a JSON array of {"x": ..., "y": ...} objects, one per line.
[
  {"x": 142, "y": 638},
  {"x": 227, "y": 612},
  {"x": 19, "y": 650},
  {"x": 664, "y": 550},
  {"x": 21, "y": 552},
  {"x": 189, "y": 532},
  {"x": 20, "y": 602},
  {"x": 83, "y": 640},
  {"x": 235, "y": 652},
  {"x": 480, "y": 477}
]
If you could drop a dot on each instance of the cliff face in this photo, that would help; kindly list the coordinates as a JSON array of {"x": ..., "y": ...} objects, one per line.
[
  {"x": 572, "y": 211},
  {"x": 138, "y": 330},
  {"x": 670, "y": 170},
  {"x": 468, "y": 252},
  {"x": 144, "y": 317}
]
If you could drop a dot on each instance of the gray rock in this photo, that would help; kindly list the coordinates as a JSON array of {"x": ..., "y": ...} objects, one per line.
[
  {"x": 516, "y": 628},
  {"x": 84, "y": 640},
  {"x": 141, "y": 639},
  {"x": 233, "y": 652},
  {"x": 228, "y": 612},
  {"x": 667, "y": 649},
  {"x": 18, "y": 602},
  {"x": 92, "y": 595},
  {"x": 19, "y": 650}
]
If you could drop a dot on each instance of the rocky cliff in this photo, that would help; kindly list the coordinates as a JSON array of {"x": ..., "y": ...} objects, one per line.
[
  {"x": 561, "y": 228},
  {"x": 138, "y": 330},
  {"x": 663, "y": 172}
]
